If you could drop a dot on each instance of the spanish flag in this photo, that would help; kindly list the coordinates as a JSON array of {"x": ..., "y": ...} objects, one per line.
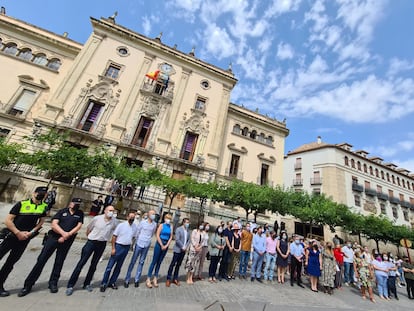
[{"x": 153, "y": 75}]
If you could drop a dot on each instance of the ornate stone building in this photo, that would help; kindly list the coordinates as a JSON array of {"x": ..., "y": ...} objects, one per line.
[{"x": 147, "y": 101}]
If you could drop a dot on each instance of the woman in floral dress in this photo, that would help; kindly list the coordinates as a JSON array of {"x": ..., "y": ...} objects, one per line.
[
  {"x": 328, "y": 269},
  {"x": 364, "y": 274}
]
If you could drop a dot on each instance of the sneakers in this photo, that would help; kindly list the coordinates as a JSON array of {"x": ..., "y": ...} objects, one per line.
[
  {"x": 69, "y": 291},
  {"x": 126, "y": 284},
  {"x": 88, "y": 288},
  {"x": 103, "y": 288}
]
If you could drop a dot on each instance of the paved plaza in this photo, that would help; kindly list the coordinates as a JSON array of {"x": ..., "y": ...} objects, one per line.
[{"x": 234, "y": 295}]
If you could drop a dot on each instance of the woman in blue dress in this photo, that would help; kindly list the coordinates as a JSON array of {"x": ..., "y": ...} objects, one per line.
[{"x": 313, "y": 262}]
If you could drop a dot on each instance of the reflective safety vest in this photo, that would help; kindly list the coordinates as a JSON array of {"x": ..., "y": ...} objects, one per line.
[{"x": 29, "y": 208}]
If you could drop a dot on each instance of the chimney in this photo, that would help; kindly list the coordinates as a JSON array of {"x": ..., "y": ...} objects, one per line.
[
  {"x": 3, "y": 10},
  {"x": 319, "y": 140},
  {"x": 65, "y": 34}
]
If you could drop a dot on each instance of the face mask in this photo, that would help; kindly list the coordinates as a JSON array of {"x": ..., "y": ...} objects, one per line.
[
  {"x": 138, "y": 217},
  {"x": 187, "y": 226},
  {"x": 385, "y": 258},
  {"x": 248, "y": 229},
  {"x": 207, "y": 228},
  {"x": 201, "y": 227},
  {"x": 297, "y": 241},
  {"x": 76, "y": 207},
  {"x": 145, "y": 217},
  {"x": 349, "y": 245},
  {"x": 115, "y": 215},
  {"x": 110, "y": 214},
  {"x": 315, "y": 247},
  {"x": 152, "y": 217},
  {"x": 131, "y": 220},
  {"x": 220, "y": 230},
  {"x": 40, "y": 196},
  {"x": 167, "y": 221},
  {"x": 284, "y": 237}
]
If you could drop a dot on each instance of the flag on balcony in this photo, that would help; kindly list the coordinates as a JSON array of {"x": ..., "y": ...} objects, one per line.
[{"x": 153, "y": 75}]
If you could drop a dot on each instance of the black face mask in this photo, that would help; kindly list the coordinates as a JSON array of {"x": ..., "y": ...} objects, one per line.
[
  {"x": 131, "y": 220},
  {"x": 76, "y": 207},
  {"x": 40, "y": 196}
]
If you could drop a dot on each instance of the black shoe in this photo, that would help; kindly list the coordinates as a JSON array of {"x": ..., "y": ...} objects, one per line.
[
  {"x": 4, "y": 293},
  {"x": 252, "y": 279},
  {"x": 53, "y": 289},
  {"x": 396, "y": 297},
  {"x": 300, "y": 285},
  {"x": 291, "y": 284},
  {"x": 113, "y": 286},
  {"x": 136, "y": 284},
  {"x": 24, "y": 291},
  {"x": 126, "y": 284},
  {"x": 103, "y": 288},
  {"x": 259, "y": 280}
]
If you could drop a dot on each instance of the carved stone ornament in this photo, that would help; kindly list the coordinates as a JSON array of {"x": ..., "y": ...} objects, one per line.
[
  {"x": 151, "y": 106},
  {"x": 370, "y": 207}
]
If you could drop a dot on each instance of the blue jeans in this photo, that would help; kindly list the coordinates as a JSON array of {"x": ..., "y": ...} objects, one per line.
[
  {"x": 270, "y": 266},
  {"x": 140, "y": 252},
  {"x": 244, "y": 261},
  {"x": 348, "y": 272},
  {"x": 121, "y": 251},
  {"x": 257, "y": 265},
  {"x": 157, "y": 259},
  {"x": 382, "y": 285}
]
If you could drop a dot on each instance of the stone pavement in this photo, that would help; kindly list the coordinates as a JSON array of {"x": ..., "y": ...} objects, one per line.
[{"x": 234, "y": 295}]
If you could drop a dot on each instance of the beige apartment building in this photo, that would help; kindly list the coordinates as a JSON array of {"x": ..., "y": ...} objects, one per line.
[
  {"x": 144, "y": 100},
  {"x": 367, "y": 184}
]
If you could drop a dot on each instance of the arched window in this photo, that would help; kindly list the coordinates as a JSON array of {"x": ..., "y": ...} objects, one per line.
[
  {"x": 11, "y": 49},
  {"x": 359, "y": 165},
  {"x": 371, "y": 170},
  {"x": 382, "y": 174},
  {"x": 403, "y": 183},
  {"x": 40, "y": 59},
  {"x": 54, "y": 64},
  {"x": 269, "y": 140},
  {"x": 393, "y": 179},
  {"x": 26, "y": 54},
  {"x": 388, "y": 177},
  {"x": 245, "y": 131},
  {"x": 253, "y": 134},
  {"x": 398, "y": 181},
  {"x": 262, "y": 137},
  {"x": 346, "y": 161},
  {"x": 352, "y": 163},
  {"x": 236, "y": 129},
  {"x": 376, "y": 172},
  {"x": 365, "y": 168}
]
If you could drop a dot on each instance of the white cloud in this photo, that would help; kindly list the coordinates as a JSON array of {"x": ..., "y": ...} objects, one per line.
[
  {"x": 282, "y": 6},
  {"x": 218, "y": 42},
  {"x": 399, "y": 65},
  {"x": 284, "y": 51}
]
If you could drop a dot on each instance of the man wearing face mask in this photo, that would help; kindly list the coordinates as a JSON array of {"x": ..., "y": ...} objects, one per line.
[
  {"x": 297, "y": 254},
  {"x": 143, "y": 236},
  {"x": 246, "y": 246},
  {"x": 65, "y": 225},
  {"x": 99, "y": 232},
  {"x": 348, "y": 263},
  {"x": 121, "y": 241},
  {"x": 23, "y": 222}
]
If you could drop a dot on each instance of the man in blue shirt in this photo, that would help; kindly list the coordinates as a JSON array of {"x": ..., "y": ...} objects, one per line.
[
  {"x": 297, "y": 253},
  {"x": 259, "y": 249}
]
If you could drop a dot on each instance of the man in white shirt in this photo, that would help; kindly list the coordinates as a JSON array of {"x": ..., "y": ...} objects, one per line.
[
  {"x": 121, "y": 241},
  {"x": 348, "y": 263}
]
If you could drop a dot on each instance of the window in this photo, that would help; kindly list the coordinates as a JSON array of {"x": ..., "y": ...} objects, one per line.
[
  {"x": 371, "y": 171},
  {"x": 354, "y": 180},
  {"x": 382, "y": 208},
  {"x": 253, "y": 134},
  {"x": 123, "y": 51},
  {"x": 4, "y": 133},
  {"x": 406, "y": 217},
  {"x": 379, "y": 189},
  {"x": 261, "y": 137},
  {"x": 23, "y": 102},
  {"x": 346, "y": 161},
  {"x": 382, "y": 174},
  {"x": 394, "y": 212},
  {"x": 11, "y": 49},
  {"x": 393, "y": 179},
  {"x": 234, "y": 165},
  {"x": 26, "y": 54},
  {"x": 352, "y": 163},
  {"x": 359, "y": 165},
  {"x": 367, "y": 184},
  {"x": 403, "y": 183},
  {"x": 398, "y": 181},
  {"x": 264, "y": 172},
  {"x": 160, "y": 87},
  {"x": 388, "y": 177},
  {"x": 54, "y": 64},
  {"x": 357, "y": 199},
  {"x": 205, "y": 84},
  {"x": 143, "y": 132},
  {"x": 236, "y": 129},
  {"x": 376, "y": 172},
  {"x": 365, "y": 168},
  {"x": 269, "y": 140},
  {"x": 90, "y": 117},
  {"x": 200, "y": 104},
  {"x": 245, "y": 131},
  {"x": 189, "y": 145},
  {"x": 40, "y": 59},
  {"x": 112, "y": 71},
  {"x": 390, "y": 193},
  {"x": 298, "y": 163},
  {"x": 401, "y": 197},
  {"x": 316, "y": 191}
]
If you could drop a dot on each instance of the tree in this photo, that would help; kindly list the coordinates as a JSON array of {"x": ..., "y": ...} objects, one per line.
[
  {"x": 377, "y": 229},
  {"x": 202, "y": 192},
  {"x": 172, "y": 187},
  {"x": 10, "y": 153}
]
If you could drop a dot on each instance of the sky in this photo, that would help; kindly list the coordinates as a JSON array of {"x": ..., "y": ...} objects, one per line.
[{"x": 339, "y": 69}]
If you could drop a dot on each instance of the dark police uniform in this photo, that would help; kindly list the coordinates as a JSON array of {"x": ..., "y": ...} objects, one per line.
[
  {"x": 67, "y": 222},
  {"x": 27, "y": 217}
]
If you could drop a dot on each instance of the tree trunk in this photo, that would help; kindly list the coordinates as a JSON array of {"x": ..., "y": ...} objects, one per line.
[
  {"x": 359, "y": 238},
  {"x": 377, "y": 243},
  {"x": 171, "y": 196}
]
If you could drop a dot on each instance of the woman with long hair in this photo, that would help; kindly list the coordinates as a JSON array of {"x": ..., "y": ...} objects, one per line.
[
  {"x": 282, "y": 249},
  {"x": 364, "y": 274},
  {"x": 216, "y": 246},
  {"x": 328, "y": 269}
]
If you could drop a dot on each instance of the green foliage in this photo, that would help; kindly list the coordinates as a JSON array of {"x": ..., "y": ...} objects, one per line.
[{"x": 10, "y": 153}]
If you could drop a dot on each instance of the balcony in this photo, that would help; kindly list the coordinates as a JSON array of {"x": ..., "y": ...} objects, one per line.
[
  {"x": 371, "y": 192},
  {"x": 158, "y": 90},
  {"x": 357, "y": 187},
  {"x": 316, "y": 181},
  {"x": 405, "y": 204},
  {"x": 382, "y": 196},
  {"x": 394, "y": 200},
  {"x": 298, "y": 182},
  {"x": 298, "y": 166}
]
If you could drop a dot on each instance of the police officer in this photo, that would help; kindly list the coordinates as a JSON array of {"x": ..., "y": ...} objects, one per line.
[
  {"x": 65, "y": 225},
  {"x": 22, "y": 223}
]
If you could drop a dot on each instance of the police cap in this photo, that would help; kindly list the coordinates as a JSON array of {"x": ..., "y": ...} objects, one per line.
[
  {"x": 77, "y": 200},
  {"x": 41, "y": 189}
]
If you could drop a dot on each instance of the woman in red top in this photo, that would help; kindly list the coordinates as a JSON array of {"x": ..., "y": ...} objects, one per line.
[{"x": 339, "y": 257}]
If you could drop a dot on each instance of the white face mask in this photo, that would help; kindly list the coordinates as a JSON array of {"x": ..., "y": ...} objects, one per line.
[
  {"x": 110, "y": 214},
  {"x": 167, "y": 221},
  {"x": 115, "y": 215}
]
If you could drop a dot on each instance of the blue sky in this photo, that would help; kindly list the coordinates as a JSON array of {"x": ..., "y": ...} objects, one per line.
[{"x": 339, "y": 69}]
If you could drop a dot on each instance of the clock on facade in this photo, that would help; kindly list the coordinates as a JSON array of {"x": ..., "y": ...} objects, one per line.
[{"x": 166, "y": 68}]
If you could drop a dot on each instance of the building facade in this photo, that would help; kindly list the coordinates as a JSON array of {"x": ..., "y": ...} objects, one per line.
[
  {"x": 144, "y": 100},
  {"x": 366, "y": 184}
]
